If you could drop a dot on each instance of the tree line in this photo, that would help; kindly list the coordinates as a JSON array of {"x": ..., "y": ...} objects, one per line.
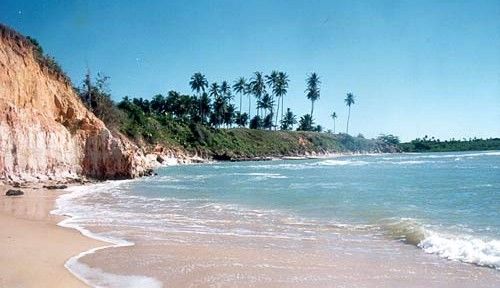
[{"x": 214, "y": 104}]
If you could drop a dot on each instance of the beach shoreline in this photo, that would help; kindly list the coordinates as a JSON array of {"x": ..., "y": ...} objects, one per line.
[
  {"x": 335, "y": 256},
  {"x": 34, "y": 249}
]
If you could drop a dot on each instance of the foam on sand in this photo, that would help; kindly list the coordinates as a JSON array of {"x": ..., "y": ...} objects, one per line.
[
  {"x": 466, "y": 249},
  {"x": 96, "y": 277}
]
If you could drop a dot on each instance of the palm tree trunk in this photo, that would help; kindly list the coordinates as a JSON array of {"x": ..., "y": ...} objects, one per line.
[
  {"x": 240, "y": 102},
  {"x": 249, "y": 107},
  {"x": 312, "y": 109},
  {"x": 271, "y": 110},
  {"x": 277, "y": 112},
  {"x": 333, "y": 126},
  {"x": 282, "y": 108},
  {"x": 348, "y": 117},
  {"x": 201, "y": 111}
]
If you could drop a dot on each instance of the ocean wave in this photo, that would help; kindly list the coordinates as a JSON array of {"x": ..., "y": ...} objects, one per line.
[
  {"x": 408, "y": 162},
  {"x": 332, "y": 162},
  {"x": 91, "y": 276},
  {"x": 262, "y": 176},
  {"x": 462, "y": 247}
]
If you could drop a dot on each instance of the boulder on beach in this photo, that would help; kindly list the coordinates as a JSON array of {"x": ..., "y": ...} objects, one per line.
[{"x": 14, "y": 192}]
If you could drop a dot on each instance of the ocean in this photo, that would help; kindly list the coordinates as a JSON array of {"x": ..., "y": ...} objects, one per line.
[{"x": 428, "y": 219}]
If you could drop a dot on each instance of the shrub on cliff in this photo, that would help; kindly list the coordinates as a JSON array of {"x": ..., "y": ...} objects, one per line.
[
  {"x": 97, "y": 97},
  {"x": 46, "y": 60}
]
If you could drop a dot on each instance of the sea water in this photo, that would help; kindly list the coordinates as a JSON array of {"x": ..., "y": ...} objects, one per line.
[{"x": 443, "y": 204}]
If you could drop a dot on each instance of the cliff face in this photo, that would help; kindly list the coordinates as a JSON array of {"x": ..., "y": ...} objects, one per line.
[{"x": 46, "y": 131}]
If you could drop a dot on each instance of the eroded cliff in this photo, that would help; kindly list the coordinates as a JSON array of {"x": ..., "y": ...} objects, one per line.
[{"x": 46, "y": 131}]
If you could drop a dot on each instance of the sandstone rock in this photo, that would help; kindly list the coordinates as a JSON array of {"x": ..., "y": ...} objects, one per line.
[
  {"x": 46, "y": 131},
  {"x": 13, "y": 192}
]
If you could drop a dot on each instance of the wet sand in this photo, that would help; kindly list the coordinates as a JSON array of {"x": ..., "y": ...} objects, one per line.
[
  {"x": 33, "y": 249},
  {"x": 233, "y": 262}
]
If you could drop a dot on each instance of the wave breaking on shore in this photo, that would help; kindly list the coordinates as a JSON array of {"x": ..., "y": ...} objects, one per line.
[
  {"x": 464, "y": 248},
  {"x": 96, "y": 277}
]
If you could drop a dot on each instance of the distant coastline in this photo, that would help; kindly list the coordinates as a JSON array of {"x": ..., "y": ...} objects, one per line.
[{"x": 432, "y": 144}]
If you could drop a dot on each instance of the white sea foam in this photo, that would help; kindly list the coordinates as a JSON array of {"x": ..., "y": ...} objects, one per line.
[
  {"x": 465, "y": 248},
  {"x": 262, "y": 176},
  {"x": 332, "y": 162},
  {"x": 95, "y": 277},
  {"x": 408, "y": 162},
  {"x": 457, "y": 247}
]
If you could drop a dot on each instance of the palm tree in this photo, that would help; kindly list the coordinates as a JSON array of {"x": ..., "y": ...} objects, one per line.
[
  {"x": 198, "y": 83},
  {"x": 258, "y": 87},
  {"x": 313, "y": 90},
  {"x": 228, "y": 116},
  {"x": 272, "y": 82},
  {"x": 272, "y": 78},
  {"x": 214, "y": 90},
  {"x": 349, "y": 100},
  {"x": 281, "y": 91},
  {"x": 306, "y": 123},
  {"x": 248, "y": 91},
  {"x": 204, "y": 105},
  {"x": 267, "y": 103},
  {"x": 278, "y": 81},
  {"x": 334, "y": 116},
  {"x": 289, "y": 120},
  {"x": 225, "y": 90},
  {"x": 239, "y": 87}
]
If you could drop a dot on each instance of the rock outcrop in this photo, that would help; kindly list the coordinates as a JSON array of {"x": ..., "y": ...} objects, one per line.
[{"x": 45, "y": 130}]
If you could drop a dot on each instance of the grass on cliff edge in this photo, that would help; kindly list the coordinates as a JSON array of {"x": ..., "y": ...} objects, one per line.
[{"x": 240, "y": 143}]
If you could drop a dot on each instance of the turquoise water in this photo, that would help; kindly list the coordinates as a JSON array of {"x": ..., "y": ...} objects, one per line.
[
  {"x": 446, "y": 204},
  {"x": 459, "y": 189}
]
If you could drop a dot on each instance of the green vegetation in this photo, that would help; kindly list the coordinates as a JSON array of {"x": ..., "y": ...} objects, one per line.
[
  {"x": 212, "y": 103},
  {"x": 389, "y": 139},
  {"x": 431, "y": 144},
  {"x": 185, "y": 122},
  {"x": 45, "y": 60}
]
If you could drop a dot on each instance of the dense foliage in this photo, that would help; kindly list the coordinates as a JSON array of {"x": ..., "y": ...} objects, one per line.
[{"x": 431, "y": 144}]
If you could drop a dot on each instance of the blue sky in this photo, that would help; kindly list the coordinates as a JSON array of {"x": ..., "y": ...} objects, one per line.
[{"x": 415, "y": 67}]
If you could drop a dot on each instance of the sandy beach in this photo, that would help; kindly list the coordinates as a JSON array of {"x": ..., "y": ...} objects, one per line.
[{"x": 33, "y": 249}]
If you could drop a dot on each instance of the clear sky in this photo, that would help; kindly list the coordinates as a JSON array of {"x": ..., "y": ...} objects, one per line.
[{"x": 415, "y": 67}]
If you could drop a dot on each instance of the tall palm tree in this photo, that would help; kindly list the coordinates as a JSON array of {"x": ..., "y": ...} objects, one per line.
[
  {"x": 334, "y": 116},
  {"x": 214, "y": 90},
  {"x": 198, "y": 83},
  {"x": 267, "y": 104},
  {"x": 219, "y": 104},
  {"x": 248, "y": 91},
  {"x": 204, "y": 106},
  {"x": 349, "y": 100},
  {"x": 258, "y": 87},
  {"x": 225, "y": 90},
  {"x": 283, "y": 89},
  {"x": 280, "y": 91},
  {"x": 313, "y": 90},
  {"x": 272, "y": 83},
  {"x": 239, "y": 87}
]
